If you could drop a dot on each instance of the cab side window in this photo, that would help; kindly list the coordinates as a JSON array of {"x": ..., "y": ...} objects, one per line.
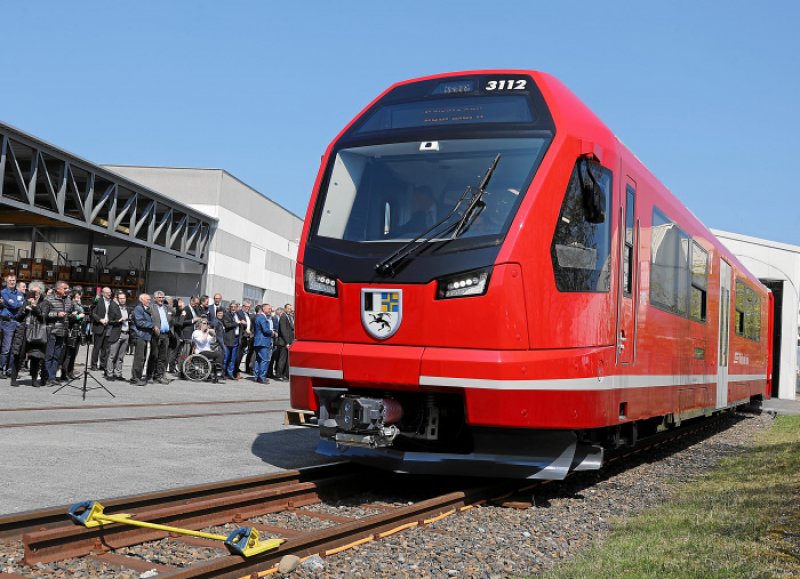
[{"x": 580, "y": 251}]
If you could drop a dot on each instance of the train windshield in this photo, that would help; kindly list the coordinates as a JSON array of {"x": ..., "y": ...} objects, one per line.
[{"x": 395, "y": 192}]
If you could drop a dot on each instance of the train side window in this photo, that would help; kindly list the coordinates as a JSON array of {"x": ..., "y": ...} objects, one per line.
[
  {"x": 581, "y": 248},
  {"x": 752, "y": 315},
  {"x": 627, "y": 263},
  {"x": 669, "y": 271},
  {"x": 748, "y": 312},
  {"x": 739, "y": 320},
  {"x": 698, "y": 293}
]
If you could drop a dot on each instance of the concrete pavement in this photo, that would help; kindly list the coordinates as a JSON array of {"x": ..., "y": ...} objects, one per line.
[{"x": 56, "y": 448}]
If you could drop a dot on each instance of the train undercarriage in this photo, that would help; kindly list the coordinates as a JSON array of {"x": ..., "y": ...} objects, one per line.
[{"x": 427, "y": 434}]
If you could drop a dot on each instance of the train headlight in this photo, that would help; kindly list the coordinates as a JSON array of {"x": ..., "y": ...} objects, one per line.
[
  {"x": 320, "y": 283},
  {"x": 473, "y": 283}
]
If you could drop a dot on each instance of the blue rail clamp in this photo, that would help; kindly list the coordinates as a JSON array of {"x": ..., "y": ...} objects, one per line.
[
  {"x": 244, "y": 541},
  {"x": 83, "y": 513}
]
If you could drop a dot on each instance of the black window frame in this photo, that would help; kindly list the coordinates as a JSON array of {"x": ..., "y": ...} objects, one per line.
[
  {"x": 698, "y": 284},
  {"x": 572, "y": 280},
  {"x": 686, "y": 271},
  {"x": 748, "y": 309},
  {"x": 628, "y": 251}
]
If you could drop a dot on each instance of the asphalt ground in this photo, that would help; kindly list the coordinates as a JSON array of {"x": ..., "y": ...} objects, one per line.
[{"x": 56, "y": 448}]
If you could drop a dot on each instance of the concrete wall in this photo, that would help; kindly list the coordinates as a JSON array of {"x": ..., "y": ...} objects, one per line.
[
  {"x": 771, "y": 260},
  {"x": 256, "y": 239}
]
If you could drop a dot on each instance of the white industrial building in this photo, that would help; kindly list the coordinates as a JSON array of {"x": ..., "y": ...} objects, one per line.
[
  {"x": 253, "y": 248},
  {"x": 777, "y": 265}
]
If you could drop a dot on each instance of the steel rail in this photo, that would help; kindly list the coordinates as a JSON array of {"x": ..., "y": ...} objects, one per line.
[
  {"x": 138, "y": 418},
  {"x": 333, "y": 539},
  {"x": 143, "y": 405}
]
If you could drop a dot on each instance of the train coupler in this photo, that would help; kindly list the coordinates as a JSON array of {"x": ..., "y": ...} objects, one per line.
[{"x": 243, "y": 541}]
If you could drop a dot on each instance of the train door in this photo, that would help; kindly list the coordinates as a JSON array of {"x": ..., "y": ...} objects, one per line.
[
  {"x": 724, "y": 332},
  {"x": 629, "y": 250}
]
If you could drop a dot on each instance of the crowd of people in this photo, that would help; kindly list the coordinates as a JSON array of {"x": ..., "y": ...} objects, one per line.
[{"x": 42, "y": 329}]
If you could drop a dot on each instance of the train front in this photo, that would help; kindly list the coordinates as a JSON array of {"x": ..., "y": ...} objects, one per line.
[{"x": 402, "y": 286}]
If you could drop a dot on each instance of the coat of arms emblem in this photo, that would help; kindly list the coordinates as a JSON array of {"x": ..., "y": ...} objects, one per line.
[{"x": 381, "y": 311}]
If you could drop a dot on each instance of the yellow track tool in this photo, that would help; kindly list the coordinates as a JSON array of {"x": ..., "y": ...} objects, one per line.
[{"x": 243, "y": 541}]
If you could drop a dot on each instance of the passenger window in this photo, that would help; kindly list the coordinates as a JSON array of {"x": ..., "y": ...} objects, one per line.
[
  {"x": 699, "y": 290},
  {"x": 748, "y": 312},
  {"x": 581, "y": 244},
  {"x": 669, "y": 273},
  {"x": 739, "y": 322}
]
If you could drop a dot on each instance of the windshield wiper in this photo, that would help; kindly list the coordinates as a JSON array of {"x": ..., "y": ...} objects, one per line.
[
  {"x": 472, "y": 197},
  {"x": 476, "y": 203}
]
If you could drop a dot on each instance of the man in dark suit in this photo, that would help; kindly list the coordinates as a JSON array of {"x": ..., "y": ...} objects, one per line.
[
  {"x": 246, "y": 343},
  {"x": 185, "y": 322},
  {"x": 189, "y": 318},
  {"x": 275, "y": 353},
  {"x": 162, "y": 316},
  {"x": 142, "y": 328},
  {"x": 263, "y": 334},
  {"x": 104, "y": 315},
  {"x": 118, "y": 338},
  {"x": 217, "y": 305},
  {"x": 233, "y": 336},
  {"x": 202, "y": 308},
  {"x": 285, "y": 340}
]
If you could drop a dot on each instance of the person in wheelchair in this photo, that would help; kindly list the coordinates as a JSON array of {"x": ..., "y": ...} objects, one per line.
[{"x": 204, "y": 342}]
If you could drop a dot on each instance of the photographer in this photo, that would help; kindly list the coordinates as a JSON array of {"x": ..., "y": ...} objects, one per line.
[
  {"x": 75, "y": 322},
  {"x": 204, "y": 341},
  {"x": 56, "y": 308}
]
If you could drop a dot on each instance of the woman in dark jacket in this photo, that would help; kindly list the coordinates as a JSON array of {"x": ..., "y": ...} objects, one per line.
[{"x": 21, "y": 348}]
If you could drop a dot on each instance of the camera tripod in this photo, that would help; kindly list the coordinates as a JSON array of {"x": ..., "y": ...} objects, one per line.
[{"x": 86, "y": 376}]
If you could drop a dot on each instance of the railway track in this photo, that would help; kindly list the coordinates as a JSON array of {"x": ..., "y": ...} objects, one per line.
[
  {"x": 142, "y": 405},
  {"x": 161, "y": 405},
  {"x": 271, "y": 504}
]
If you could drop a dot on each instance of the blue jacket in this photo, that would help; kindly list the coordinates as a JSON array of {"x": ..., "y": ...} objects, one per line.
[
  {"x": 12, "y": 302},
  {"x": 142, "y": 326},
  {"x": 262, "y": 333}
]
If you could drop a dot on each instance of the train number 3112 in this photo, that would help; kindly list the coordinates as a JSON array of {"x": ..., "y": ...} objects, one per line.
[{"x": 510, "y": 84}]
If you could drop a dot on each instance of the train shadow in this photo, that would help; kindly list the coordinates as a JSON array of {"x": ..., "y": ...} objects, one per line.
[
  {"x": 288, "y": 448},
  {"x": 294, "y": 448}
]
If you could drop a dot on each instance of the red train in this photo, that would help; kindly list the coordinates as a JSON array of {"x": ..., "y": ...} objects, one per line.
[{"x": 490, "y": 283}]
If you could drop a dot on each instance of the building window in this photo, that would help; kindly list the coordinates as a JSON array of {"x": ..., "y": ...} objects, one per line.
[{"x": 252, "y": 294}]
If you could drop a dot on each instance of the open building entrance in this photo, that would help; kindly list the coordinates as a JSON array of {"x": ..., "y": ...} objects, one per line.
[{"x": 776, "y": 287}]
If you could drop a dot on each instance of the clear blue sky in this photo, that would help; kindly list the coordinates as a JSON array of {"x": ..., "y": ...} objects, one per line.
[{"x": 705, "y": 93}]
